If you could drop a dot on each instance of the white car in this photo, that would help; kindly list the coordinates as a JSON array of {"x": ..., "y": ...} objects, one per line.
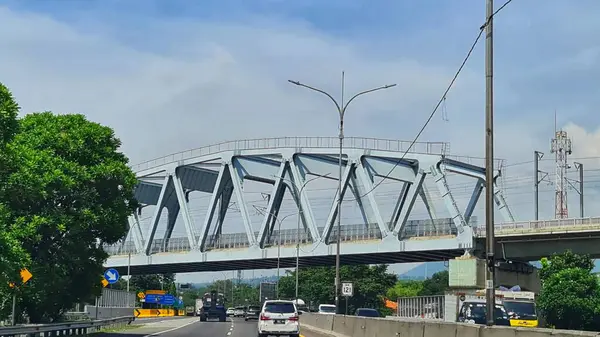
[
  {"x": 327, "y": 309},
  {"x": 230, "y": 312},
  {"x": 279, "y": 318},
  {"x": 239, "y": 312}
]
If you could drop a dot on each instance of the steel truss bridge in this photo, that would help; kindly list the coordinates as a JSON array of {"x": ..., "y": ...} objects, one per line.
[{"x": 287, "y": 164}]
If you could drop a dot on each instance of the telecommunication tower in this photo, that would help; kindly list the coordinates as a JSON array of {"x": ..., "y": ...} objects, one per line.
[{"x": 561, "y": 147}]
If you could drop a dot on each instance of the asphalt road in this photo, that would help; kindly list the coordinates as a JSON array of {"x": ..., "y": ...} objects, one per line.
[{"x": 188, "y": 327}]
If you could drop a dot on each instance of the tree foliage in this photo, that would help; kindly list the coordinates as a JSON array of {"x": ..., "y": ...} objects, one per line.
[
  {"x": 570, "y": 296},
  {"x": 436, "y": 285},
  {"x": 405, "y": 288},
  {"x": 65, "y": 184},
  {"x": 316, "y": 285},
  {"x": 12, "y": 255}
]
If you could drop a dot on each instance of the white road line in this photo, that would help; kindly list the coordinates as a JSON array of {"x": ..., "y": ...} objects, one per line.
[{"x": 172, "y": 329}]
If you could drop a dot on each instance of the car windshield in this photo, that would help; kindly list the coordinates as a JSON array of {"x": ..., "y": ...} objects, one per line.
[
  {"x": 254, "y": 307},
  {"x": 280, "y": 308},
  {"x": 327, "y": 308},
  {"x": 367, "y": 313},
  {"x": 522, "y": 309},
  {"x": 478, "y": 310}
]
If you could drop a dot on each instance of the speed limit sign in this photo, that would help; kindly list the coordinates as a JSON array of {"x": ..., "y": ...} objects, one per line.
[{"x": 347, "y": 289}]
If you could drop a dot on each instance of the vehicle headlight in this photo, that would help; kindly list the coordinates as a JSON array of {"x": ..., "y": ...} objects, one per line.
[{"x": 470, "y": 321}]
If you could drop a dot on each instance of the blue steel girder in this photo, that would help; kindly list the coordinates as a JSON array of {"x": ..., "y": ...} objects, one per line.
[
  {"x": 291, "y": 168},
  {"x": 298, "y": 179},
  {"x": 479, "y": 174},
  {"x": 274, "y": 205},
  {"x": 339, "y": 194},
  {"x": 410, "y": 196},
  {"x": 163, "y": 198}
]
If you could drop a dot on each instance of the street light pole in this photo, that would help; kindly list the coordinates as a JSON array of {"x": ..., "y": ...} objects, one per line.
[
  {"x": 489, "y": 164},
  {"x": 341, "y": 108}
]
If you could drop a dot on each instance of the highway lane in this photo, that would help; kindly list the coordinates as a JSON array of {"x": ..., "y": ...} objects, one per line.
[{"x": 188, "y": 327}]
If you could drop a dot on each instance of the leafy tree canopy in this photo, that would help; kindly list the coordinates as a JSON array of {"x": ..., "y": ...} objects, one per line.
[
  {"x": 66, "y": 184},
  {"x": 405, "y": 288},
  {"x": 563, "y": 261},
  {"x": 316, "y": 286},
  {"x": 436, "y": 285},
  {"x": 570, "y": 296}
]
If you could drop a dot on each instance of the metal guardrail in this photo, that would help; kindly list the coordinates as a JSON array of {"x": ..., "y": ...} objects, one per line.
[
  {"x": 350, "y": 233},
  {"x": 68, "y": 328},
  {"x": 296, "y": 142},
  {"x": 544, "y": 226}
]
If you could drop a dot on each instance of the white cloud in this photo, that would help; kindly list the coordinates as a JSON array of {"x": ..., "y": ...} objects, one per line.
[{"x": 168, "y": 85}]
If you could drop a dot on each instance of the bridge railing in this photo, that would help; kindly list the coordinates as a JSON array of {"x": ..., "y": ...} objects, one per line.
[
  {"x": 541, "y": 226},
  {"x": 288, "y": 237},
  {"x": 297, "y": 142}
]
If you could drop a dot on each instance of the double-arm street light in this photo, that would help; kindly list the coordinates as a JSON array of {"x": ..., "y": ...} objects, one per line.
[{"x": 341, "y": 108}]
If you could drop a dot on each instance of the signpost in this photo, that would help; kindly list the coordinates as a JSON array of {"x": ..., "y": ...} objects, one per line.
[
  {"x": 26, "y": 275},
  {"x": 111, "y": 275},
  {"x": 347, "y": 291}
]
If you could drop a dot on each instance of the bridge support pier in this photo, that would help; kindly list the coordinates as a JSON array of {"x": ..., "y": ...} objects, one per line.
[{"x": 469, "y": 272}]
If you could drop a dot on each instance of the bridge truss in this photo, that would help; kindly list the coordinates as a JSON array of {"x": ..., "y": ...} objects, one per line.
[{"x": 286, "y": 164}]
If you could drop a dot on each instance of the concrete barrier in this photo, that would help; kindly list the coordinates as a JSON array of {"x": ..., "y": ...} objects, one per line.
[
  {"x": 104, "y": 313},
  {"x": 351, "y": 326}
]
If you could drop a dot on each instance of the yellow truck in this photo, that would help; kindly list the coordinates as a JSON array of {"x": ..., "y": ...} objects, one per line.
[{"x": 520, "y": 306}]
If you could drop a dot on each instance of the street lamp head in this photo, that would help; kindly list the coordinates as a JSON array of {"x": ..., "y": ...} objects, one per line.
[{"x": 294, "y": 82}]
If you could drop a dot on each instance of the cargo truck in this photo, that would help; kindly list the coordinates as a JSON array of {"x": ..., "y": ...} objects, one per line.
[{"x": 212, "y": 307}]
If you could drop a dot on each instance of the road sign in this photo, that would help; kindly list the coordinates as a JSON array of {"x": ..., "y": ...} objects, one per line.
[
  {"x": 151, "y": 298},
  {"x": 167, "y": 300},
  {"x": 26, "y": 275},
  {"x": 111, "y": 275},
  {"x": 104, "y": 282},
  {"x": 141, "y": 295},
  {"x": 347, "y": 289},
  {"x": 156, "y": 292}
]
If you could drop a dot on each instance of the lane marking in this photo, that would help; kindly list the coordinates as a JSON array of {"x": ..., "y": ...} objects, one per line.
[{"x": 172, "y": 329}]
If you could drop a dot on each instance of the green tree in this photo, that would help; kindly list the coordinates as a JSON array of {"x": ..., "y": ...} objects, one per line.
[
  {"x": 405, "y": 288},
  {"x": 570, "y": 296},
  {"x": 67, "y": 179},
  {"x": 316, "y": 286},
  {"x": 12, "y": 255},
  {"x": 152, "y": 282},
  {"x": 437, "y": 284}
]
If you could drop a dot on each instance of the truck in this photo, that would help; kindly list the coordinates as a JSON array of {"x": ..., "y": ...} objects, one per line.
[
  {"x": 519, "y": 305},
  {"x": 212, "y": 307}
]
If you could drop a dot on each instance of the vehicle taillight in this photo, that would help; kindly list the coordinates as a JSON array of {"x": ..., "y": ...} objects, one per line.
[
  {"x": 264, "y": 318},
  {"x": 293, "y": 318}
]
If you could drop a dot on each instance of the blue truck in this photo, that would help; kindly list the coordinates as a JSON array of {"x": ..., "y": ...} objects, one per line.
[{"x": 213, "y": 307}]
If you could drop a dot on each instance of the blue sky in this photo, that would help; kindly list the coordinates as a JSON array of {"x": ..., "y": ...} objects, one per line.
[{"x": 174, "y": 75}]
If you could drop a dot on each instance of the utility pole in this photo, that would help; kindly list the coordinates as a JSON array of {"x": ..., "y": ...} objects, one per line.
[
  {"x": 579, "y": 167},
  {"x": 537, "y": 156},
  {"x": 489, "y": 163}
]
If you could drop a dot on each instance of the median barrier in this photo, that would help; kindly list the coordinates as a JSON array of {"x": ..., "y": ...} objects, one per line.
[{"x": 353, "y": 326}]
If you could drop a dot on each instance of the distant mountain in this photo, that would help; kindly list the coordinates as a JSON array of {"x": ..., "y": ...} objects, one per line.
[{"x": 423, "y": 271}]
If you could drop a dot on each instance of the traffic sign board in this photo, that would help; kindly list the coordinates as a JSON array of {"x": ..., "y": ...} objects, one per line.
[
  {"x": 111, "y": 275},
  {"x": 347, "y": 289},
  {"x": 141, "y": 295},
  {"x": 104, "y": 282}
]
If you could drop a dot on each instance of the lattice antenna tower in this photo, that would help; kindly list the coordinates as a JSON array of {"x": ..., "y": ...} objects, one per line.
[{"x": 561, "y": 147}]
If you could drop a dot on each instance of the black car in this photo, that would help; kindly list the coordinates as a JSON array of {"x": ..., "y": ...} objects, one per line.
[
  {"x": 367, "y": 312},
  {"x": 252, "y": 312},
  {"x": 474, "y": 312}
]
